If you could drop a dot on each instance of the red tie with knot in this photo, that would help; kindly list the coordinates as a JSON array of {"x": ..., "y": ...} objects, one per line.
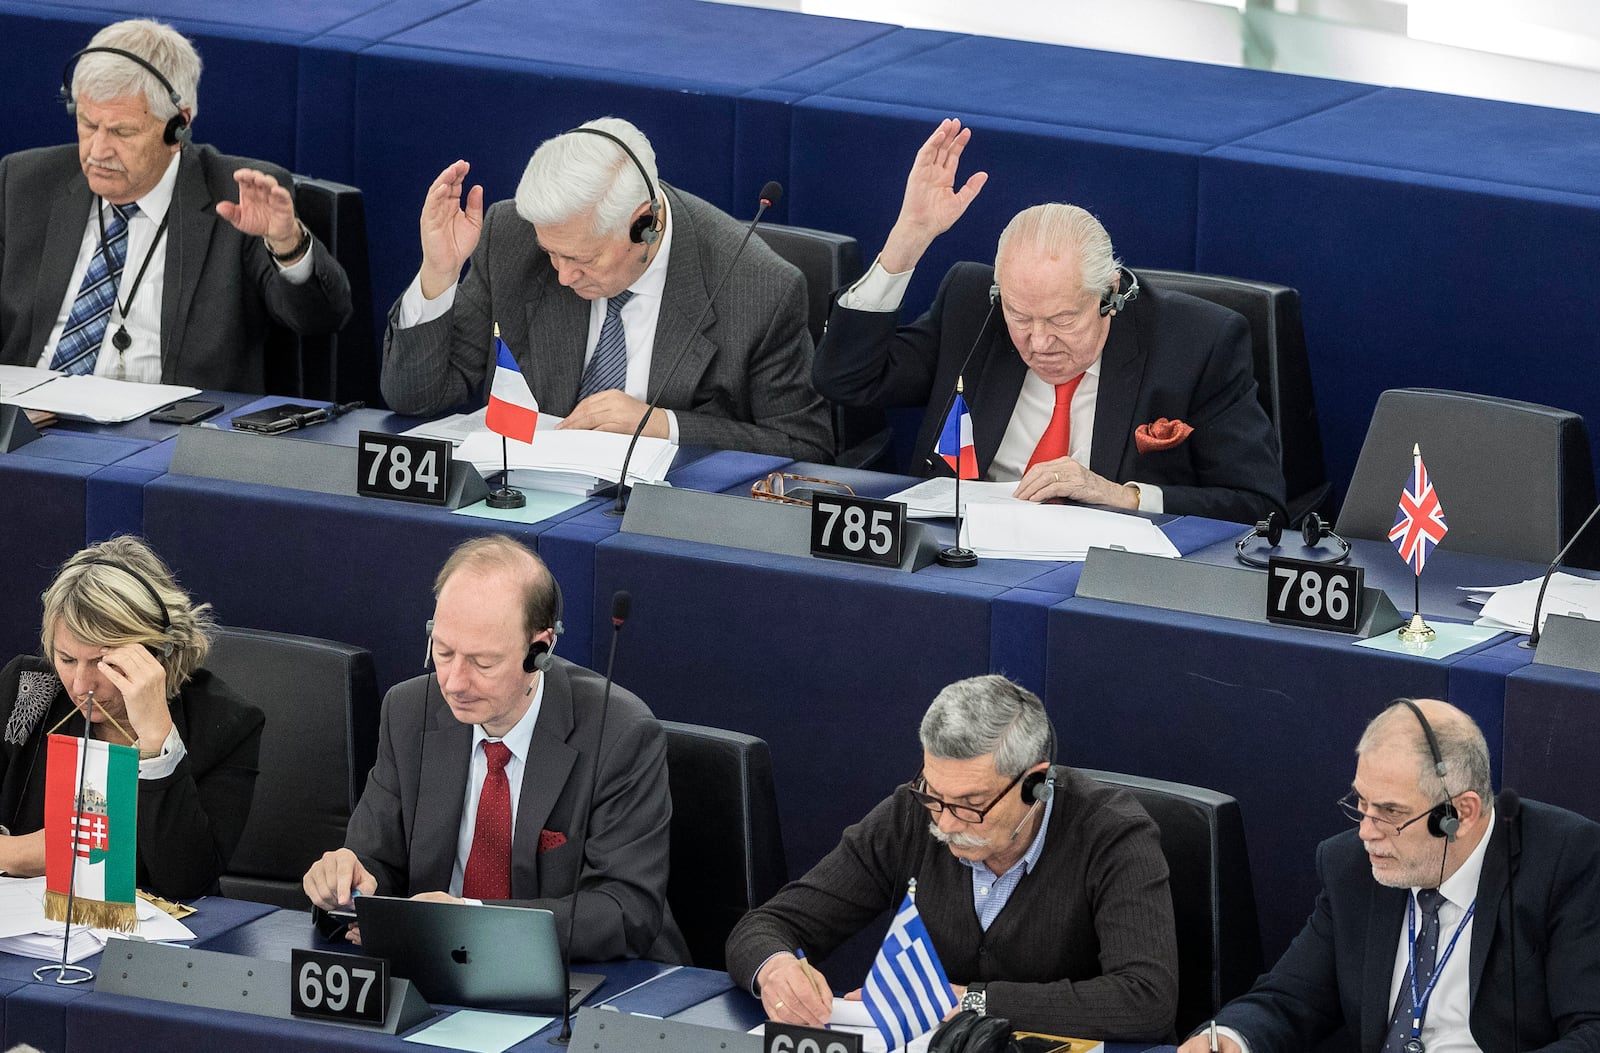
[
  {"x": 1056, "y": 442},
  {"x": 488, "y": 874}
]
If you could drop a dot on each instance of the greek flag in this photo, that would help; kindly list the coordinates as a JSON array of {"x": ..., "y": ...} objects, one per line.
[{"x": 907, "y": 993}]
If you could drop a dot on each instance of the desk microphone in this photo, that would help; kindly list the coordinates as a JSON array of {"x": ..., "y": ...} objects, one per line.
[
  {"x": 944, "y": 414},
  {"x": 1538, "y": 605},
  {"x": 770, "y": 194},
  {"x": 621, "y": 607}
]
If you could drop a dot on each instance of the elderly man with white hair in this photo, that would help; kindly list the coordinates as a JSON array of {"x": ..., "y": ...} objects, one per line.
[
  {"x": 596, "y": 273},
  {"x": 1082, "y": 383},
  {"x": 141, "y": 255}
]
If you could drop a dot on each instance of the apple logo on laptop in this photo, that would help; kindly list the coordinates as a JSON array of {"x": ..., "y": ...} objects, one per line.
[{"x": 459, "y": 955}]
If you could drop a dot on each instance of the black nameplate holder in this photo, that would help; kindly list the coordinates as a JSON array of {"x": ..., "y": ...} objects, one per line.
[
  {"x": 1314, "y": 595},
  {"x": 795, "y": 1038},
  {"x": 858, "y": 529},
  {"x": 295, "y": 464},
  {"x": 345, "y": 988},
  {"x": 1202, "y": 588},
  {"x": 744, "y": 523},
  {"x": 213, "y": 980},
  {"x": 16, "y": 430},
  {"x": 403, "y": 468}
]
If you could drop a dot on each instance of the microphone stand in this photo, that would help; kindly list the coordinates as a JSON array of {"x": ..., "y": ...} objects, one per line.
[
  {"x": 78, "y": 973},
  {"x": 769, "y": 194},
  {"x": 1532, "y": 642}
]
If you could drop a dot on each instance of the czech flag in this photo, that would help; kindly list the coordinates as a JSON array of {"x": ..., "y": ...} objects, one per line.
[
  {"x": 513, "y": 411},
  {"x": 955, "y": 441}
]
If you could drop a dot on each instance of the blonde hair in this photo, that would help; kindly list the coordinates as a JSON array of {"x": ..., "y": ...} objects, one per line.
[{"x": 106, "y": 596}]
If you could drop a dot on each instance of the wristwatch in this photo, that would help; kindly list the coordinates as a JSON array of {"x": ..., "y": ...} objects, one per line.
[{"x": 976, "y": 999}]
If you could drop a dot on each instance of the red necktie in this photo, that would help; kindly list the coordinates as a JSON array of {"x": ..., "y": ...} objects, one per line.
[
  {"x": 488, "y": 873},
  {"x": 1056, "y": 442}
]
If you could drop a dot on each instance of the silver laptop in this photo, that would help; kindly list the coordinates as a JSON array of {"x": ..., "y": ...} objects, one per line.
[{"x": 478, "y": 955}]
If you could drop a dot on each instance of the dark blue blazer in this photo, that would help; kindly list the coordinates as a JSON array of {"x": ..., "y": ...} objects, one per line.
[{"x": 1339, "y": 969}]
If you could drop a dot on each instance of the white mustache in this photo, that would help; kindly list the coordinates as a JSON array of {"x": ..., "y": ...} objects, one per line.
[
  {"x": 110, "y": 165},
  {"x": 958, "y": 840}
]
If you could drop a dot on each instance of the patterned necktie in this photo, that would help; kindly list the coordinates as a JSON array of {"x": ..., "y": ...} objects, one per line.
[
  {"x": 608, "y": 366},
  {"x": 79, "y": 346},
  {"x": 1426, "y": 953},
  {"x": 488, "y": 874},
  {"x": 1056, "y": 442}
]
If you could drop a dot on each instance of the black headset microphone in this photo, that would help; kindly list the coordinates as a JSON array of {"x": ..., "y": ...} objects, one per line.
[
  {"x": 177, "y": 130},
  {"x": 1038, "y": 787},
  {"x": 770, "y": 195},
  {"x": 1312, "y": 530}
]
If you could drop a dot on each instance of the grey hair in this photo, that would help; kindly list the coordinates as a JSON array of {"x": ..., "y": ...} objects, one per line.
[
  {"x": 1461, "y": 747},
  {"x": 575, "y": 174},
  {"x": 989, "y": 714},
  {"x": 101, "y": 76},
  {"x": 1059, "y": 229}
]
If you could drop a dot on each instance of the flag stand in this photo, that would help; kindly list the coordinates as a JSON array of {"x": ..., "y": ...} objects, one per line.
[
  {"x": 506, "y": 496},
  {"x": 1416, "y": 630},
  {"x": 64, "y": 973},
  {"x": 957, "y": 555}
]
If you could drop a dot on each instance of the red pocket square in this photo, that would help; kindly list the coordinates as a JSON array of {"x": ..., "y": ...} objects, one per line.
[
  {"x": 1160, "y": 434},
  {"x": 549, "y": 839}
]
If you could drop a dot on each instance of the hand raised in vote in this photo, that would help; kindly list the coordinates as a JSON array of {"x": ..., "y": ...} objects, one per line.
[
  {"x": 449, "y": 231},
  {"x": 792, "y": 992},
  {"x": 616, "y": 411},
  {"x": 1066, "y": 478},
  {"x": 264, "y": 209},
  {"x": 932, "y": 203}
]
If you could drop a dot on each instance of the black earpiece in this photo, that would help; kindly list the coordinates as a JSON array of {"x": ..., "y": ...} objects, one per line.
[
  {"x": 646, "y": 230},
  {"x": 177, "y": 130},
  {"x": 1270, "y": 530},
  {"x": 1113, "y": 300},
  {"x": 1443, "y": 821},
  {"x": 994, "y": 294},
  {"x": 1039, "y": 786},
  {"x": 165, "y": 648}
]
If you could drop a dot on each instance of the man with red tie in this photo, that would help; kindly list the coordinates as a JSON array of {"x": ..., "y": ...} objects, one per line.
[
  {"x": 484, "y": 766},
  {"x": 1082, "y": 384}
]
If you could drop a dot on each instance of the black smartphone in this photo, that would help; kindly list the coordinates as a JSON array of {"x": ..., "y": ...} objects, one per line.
[
  {"x": 273, "y": 420},
  {"x": 188, "y": 411}
]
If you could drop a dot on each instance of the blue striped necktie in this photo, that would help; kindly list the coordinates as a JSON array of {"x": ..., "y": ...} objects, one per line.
[
  {"x": 79, "y": 346},
  {"x": 608, "y": 366}
]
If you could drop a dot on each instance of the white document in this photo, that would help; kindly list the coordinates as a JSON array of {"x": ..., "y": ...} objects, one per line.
[
  {"x": 1024, "y": 530},
  {"x": 853, "y": 1017},
  {"x": 593, "y": 455},
  {"x": 935, "y": 498},
  {"x": 455, "y": 428},
  {"x": 14, "y": 380},
  {"x": 1511, "y": 606},
  {"x": 101, "y": 400},
  {"x": 24, "y": 929}
]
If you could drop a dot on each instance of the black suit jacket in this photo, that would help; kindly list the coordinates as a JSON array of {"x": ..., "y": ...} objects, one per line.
[
  {"x": 1338, "y": 970},
  {"x": 190, "y": 821},
  {"x": 405, "y": 828},
  {"x": 222, "y": 291},
  {"x": 1167, "y": 355}
]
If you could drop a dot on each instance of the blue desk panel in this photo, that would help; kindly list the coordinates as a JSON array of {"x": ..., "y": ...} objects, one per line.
[{"x": 1552, "y": 736}]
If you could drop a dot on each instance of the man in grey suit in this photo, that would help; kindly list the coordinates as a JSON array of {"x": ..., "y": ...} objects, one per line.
[
  {"x": 142, "y": 256},
  {"x": 596, "y": 273},
  {"x": 485, "y": 767}
]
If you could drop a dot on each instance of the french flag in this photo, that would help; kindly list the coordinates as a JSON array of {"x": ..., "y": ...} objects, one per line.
[
  {"x": 955, "y": 441},
  {"x": 513, "y": 411}
]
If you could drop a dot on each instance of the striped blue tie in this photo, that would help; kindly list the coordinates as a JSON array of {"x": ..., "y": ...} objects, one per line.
[
  {"x": 608, "y": 366},
  {"x": 79, "y": 346}
]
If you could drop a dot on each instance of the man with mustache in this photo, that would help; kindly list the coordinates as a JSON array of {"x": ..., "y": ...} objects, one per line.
[
  {"x": 141, "y": 255},
  {"x": 1412, "y": 944},
  {"x": 1045, "y": 893}
]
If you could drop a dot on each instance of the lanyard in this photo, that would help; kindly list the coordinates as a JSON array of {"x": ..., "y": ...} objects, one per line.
[
  {"x": 121, "y": 339},
  {"x": 1419, "y": 1004}
]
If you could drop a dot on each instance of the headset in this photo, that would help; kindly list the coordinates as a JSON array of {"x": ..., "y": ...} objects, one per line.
[
  {"x": 166, "y": 616},
  {"x": 1443, "y": 821},
  {"x": 1112, "y": 300},
  {"x": 646, "y": 230},
  {"x": 1039, "y": 786},
  {"x": 177, "y": 131},
  {"x": 540, "y": 655},
  {"x": 1312, "y": 530}
]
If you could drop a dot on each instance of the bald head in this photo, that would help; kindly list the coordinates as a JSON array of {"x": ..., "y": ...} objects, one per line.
[
  {"x": 1461, "y": 746},
  {"x": 510, "y": 560}
]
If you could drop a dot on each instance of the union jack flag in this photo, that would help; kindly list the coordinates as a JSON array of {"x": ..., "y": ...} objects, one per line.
[{"x": 1419, "y": 525}]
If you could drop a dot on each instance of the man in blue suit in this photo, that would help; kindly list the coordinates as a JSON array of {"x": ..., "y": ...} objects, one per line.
[{"x": 1447, "y": 920}]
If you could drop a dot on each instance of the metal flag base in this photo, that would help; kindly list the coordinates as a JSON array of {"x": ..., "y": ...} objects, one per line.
[
  {"x": 506, "y": 497},
  {"x": 956, "y": 556},
  {"x": 1416, "y": 630},
  {"x": 65, "y": 974}
]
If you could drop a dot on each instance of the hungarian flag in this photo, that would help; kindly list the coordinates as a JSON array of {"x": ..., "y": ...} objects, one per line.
[
  {"x": 1419, "y": 525},
  {"x": 91, "y": 839},
  {"x": 955, "y": 441},
  {"x": 513, "y": 411}
]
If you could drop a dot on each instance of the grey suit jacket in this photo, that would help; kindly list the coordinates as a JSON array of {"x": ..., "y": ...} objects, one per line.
[
  {"x": 406, "y": 826},
  {"x": 222, "y": 290},
  {"x": 745, "y": 383}
]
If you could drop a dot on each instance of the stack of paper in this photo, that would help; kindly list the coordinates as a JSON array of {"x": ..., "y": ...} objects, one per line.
[
  {"x": 1510, "y": 607},
  {"x": 1023, "y": 530},
  {"x": 458, "y": 426},
  {"x": 569, "y": 461},
  {"x": 24, "y": 930},
  {"x": 14, "y": 380},
  {"x": 100, "y": 400},
  {"x": 936, "y": 498}
]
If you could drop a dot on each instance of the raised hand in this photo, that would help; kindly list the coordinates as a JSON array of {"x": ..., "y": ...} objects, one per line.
[
  {"x": 932, "y": 203},
  {"x": 449, "y": 231}
]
